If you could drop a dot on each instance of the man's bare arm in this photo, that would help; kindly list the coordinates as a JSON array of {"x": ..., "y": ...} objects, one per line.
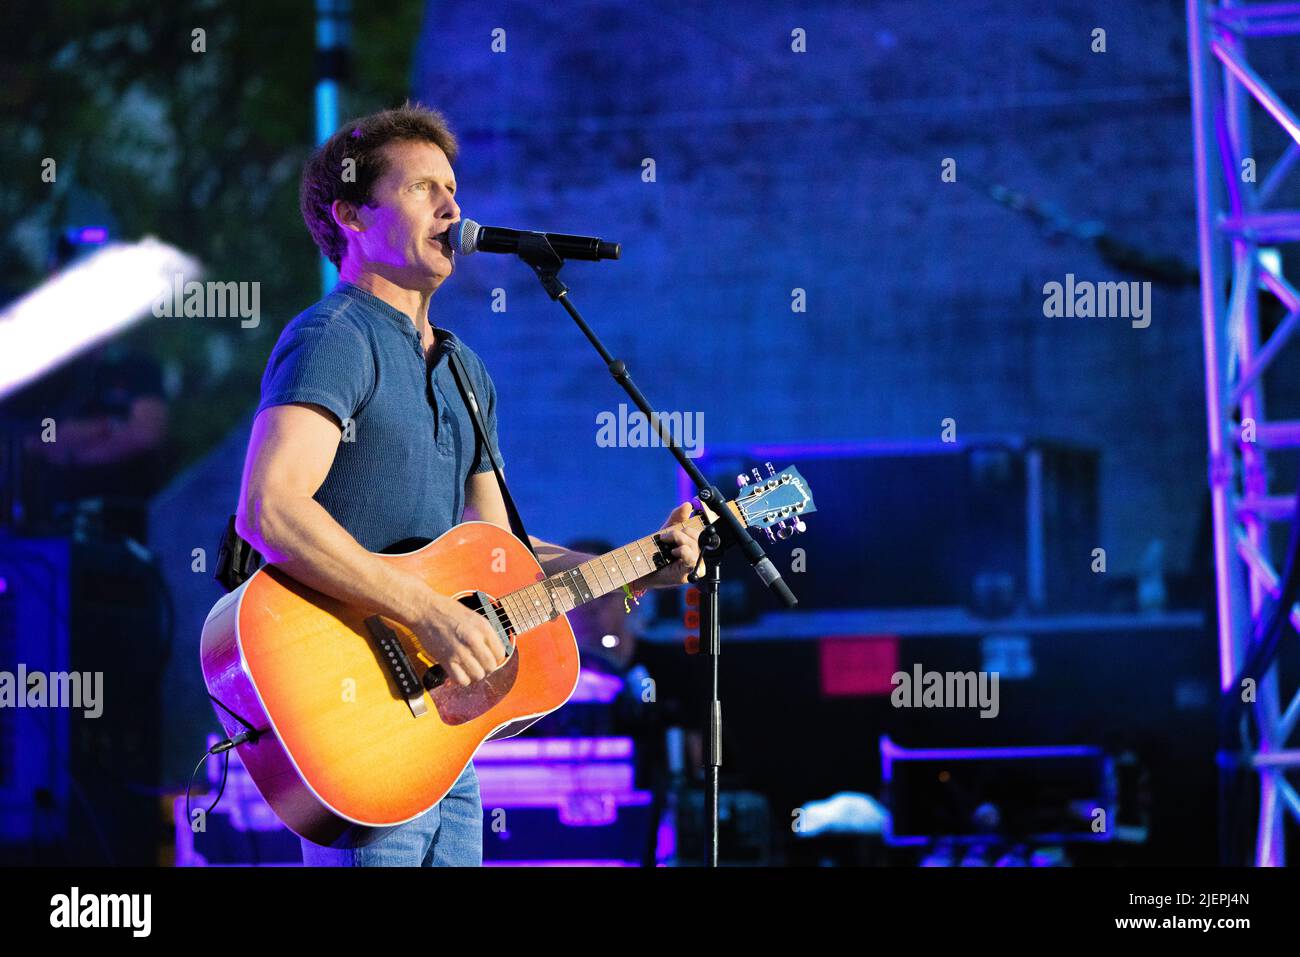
[{"x": 289, "y": 454}]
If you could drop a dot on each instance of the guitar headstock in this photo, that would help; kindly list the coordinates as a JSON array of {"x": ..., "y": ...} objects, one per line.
[{"x": 769, "y": 503}]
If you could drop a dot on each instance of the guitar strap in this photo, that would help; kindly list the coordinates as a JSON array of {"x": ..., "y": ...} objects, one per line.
[
  {"x": 236, "y": 559},
  {"x": 480, "y": 429}
]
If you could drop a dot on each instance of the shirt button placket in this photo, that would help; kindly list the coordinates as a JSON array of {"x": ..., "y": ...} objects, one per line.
[{"x": 429, "y": 390}]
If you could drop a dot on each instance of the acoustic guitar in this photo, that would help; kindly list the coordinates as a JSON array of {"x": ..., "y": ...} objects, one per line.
[{"x": 353, "y": 729}]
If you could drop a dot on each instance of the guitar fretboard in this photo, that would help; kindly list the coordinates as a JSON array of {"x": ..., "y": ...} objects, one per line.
[{"x": 543, "y": 601}]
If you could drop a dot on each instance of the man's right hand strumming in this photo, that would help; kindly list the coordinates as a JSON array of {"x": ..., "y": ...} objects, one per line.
[{"x": 459, "y": 639}]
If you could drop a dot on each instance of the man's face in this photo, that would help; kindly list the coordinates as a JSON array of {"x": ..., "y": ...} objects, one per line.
[{"x": 405, "y": 226}]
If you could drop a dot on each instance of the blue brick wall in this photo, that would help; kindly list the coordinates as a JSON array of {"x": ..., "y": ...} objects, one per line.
[{"x": 821, "y": 171}]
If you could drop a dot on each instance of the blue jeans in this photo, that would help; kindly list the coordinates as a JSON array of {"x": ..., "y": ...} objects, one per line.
[{"x": 449, "y": 834}]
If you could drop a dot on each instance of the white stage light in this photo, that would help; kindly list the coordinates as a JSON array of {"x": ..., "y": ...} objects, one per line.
[{"x": 94, "y": 298}]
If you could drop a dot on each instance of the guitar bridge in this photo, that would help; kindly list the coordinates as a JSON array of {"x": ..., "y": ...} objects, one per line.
[{"x": 393, "y": 656}]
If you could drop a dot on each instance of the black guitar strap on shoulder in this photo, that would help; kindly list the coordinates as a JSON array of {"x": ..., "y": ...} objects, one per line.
[{"x": 471, "y": 403}]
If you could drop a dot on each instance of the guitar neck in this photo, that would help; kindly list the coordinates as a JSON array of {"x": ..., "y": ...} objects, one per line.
[{"x": 564, "y": 591}]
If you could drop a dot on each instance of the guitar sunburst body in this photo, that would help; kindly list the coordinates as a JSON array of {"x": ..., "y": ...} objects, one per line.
[{"x": 343, "y": 757}]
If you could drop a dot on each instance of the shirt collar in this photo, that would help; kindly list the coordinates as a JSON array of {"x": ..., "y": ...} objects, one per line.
[{"x": 447, "y": 341}]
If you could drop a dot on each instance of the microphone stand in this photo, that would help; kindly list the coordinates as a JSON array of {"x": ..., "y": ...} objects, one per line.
[{"x": 715, "y": 538}]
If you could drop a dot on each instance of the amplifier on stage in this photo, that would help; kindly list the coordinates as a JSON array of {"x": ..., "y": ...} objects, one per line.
[
  {"x": 970, "y": 795},
  {"x": 995, "y": 525},
  {"x": 563, "y": 801},
  {"x": 546, "y": 801}
]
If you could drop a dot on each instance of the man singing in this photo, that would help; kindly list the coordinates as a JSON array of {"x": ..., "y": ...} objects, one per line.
[{"x": 362, "y": 442}]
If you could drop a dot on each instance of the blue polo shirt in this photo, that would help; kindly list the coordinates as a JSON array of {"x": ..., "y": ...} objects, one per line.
[{"x": 400, "y": 471}]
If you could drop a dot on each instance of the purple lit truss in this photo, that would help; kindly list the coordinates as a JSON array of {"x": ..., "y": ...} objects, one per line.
[{"x": 1239, "y": 221}]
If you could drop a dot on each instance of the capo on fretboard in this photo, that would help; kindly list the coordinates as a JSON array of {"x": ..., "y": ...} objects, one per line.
[{"x": 663, "y": 554}]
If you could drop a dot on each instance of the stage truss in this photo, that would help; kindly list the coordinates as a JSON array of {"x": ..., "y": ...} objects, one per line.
[{"x": 1239, "y": 229}]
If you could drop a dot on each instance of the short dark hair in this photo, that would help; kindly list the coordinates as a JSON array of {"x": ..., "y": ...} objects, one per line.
[{"x": 361, "y": 140}]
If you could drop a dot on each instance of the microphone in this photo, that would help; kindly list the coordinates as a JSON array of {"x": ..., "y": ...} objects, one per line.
[{"x": 467, "y": 237}]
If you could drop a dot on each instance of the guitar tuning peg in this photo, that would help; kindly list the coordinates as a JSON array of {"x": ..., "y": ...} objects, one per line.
[
  {"x": 771, "y": 536},
  {"x": 742, "y": 480},
  {"x": 784, "y": 531},
  {"x": 758, "y": 476},
  {"x": 771, "y": 470},
  {"x": 800, "y": 525}
]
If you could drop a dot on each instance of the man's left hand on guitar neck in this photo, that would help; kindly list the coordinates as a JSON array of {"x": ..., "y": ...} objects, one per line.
[{"x": 685, "y": 549}]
